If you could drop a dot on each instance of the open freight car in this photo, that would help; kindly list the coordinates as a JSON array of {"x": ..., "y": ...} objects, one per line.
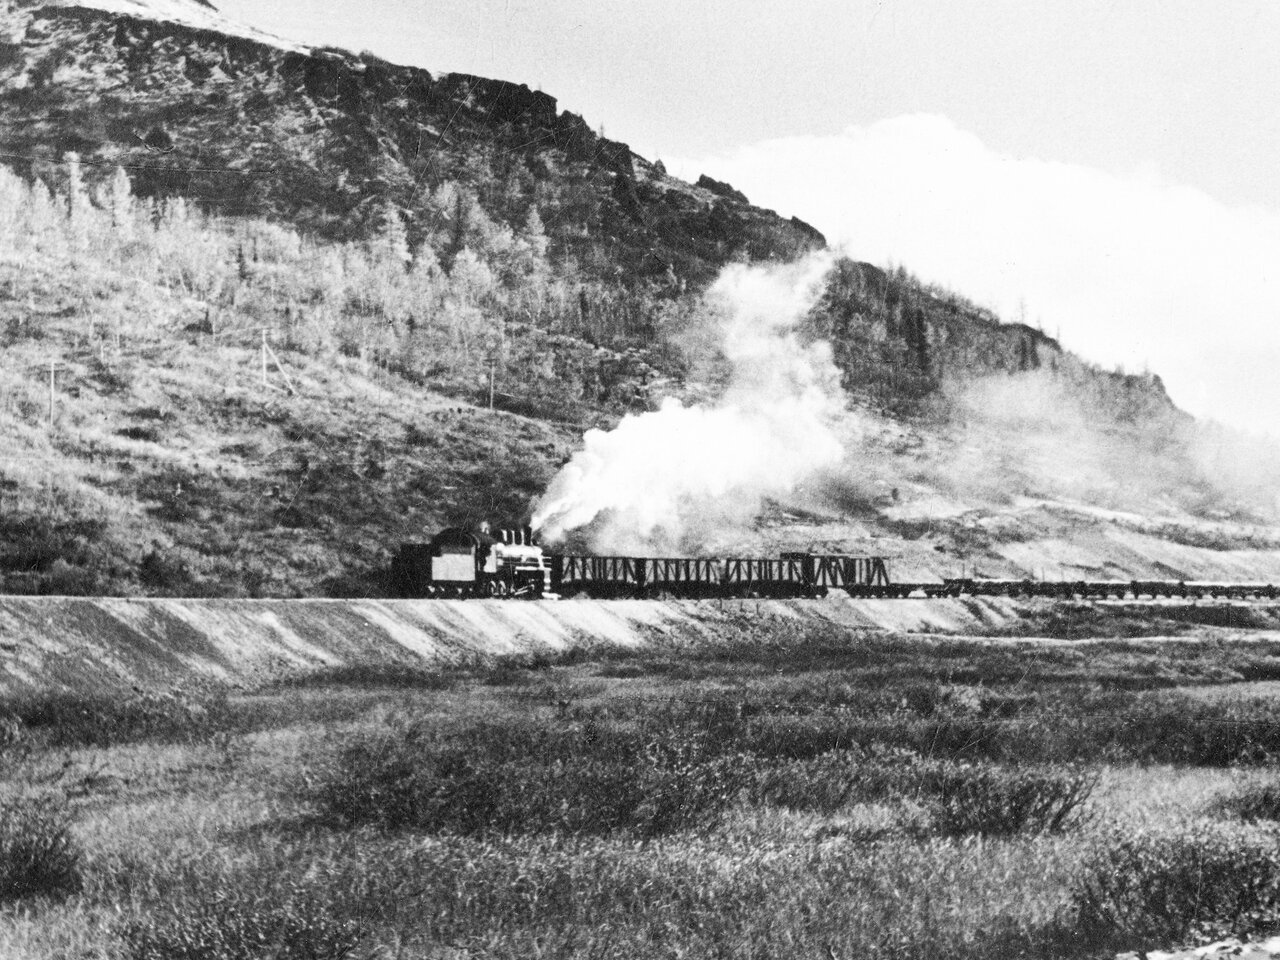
[{"x": 789, "y": 576}]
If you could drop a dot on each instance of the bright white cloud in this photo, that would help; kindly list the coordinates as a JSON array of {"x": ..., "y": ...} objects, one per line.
[{"x": 1130, "y": 269}]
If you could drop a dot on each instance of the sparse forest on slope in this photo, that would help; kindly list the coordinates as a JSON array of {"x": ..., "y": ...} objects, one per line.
[{"x": 255, "y": 305}]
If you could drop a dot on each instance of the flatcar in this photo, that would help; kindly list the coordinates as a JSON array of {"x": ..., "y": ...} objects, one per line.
[{"x": 1105, "y": 589}]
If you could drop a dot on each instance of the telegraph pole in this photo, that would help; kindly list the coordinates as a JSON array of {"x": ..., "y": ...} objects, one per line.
[{"x": 52, "y": 368}]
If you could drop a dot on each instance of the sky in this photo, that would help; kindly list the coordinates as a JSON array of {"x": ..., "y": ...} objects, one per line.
[{"x": 1105, "y": 170}]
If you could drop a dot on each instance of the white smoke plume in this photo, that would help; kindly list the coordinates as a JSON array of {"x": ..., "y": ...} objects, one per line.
[{"x": 674, "y": 479}]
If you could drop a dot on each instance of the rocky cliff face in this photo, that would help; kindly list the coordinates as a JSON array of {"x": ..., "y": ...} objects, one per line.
[
  {"x": 322, "y": 137},
  {"x": 898, "y": 341}
]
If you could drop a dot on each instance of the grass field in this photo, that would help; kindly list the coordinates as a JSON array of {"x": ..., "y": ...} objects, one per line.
[{"x": 849, "y": 796}]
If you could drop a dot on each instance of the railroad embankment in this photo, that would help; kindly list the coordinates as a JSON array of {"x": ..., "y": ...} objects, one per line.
[{"x": 69, "y": 643}]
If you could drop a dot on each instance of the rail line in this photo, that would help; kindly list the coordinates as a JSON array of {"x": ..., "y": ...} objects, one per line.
[{"x": 1077, "y": 589}]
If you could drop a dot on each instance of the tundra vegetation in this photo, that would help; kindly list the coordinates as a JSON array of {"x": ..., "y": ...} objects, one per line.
[{"x": 790, "y": 794}]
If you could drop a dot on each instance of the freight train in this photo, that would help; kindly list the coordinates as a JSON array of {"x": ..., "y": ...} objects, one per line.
[{"x": 461, "y": 564}]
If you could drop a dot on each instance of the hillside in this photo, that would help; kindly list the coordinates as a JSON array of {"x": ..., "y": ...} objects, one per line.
[
  {"x": 327, "y": 139},
  {"x": 301, "y": 305}
]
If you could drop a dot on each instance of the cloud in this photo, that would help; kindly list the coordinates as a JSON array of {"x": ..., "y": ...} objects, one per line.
[{"x": 1130, "y": 269}]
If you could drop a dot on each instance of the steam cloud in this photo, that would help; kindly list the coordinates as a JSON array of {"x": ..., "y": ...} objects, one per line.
[{"x": 665, "y": 480}]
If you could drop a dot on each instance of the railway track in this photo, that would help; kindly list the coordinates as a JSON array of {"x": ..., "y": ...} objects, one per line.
[
  {"x": 1100, "y": 590},
  {"x": 1079, "y": 589}
]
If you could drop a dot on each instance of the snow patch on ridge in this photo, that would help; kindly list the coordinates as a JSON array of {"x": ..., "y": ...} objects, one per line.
[{"x": 188, "y": 13}]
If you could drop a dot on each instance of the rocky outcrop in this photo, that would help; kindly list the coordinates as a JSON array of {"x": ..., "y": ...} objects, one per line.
[
  {"x": 318, "y": 136},
  {"x": 899, "y": 340},
  {"x": 720, "y": 188}
]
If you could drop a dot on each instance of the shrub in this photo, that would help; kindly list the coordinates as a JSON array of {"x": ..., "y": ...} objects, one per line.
[
  {"x": 13, "y": 733},
  {"x": 36, "y": 543},
  {"x": 507, "y": 673},
  {"x": 230, "y": 924},
  {"x": 825, "y": 783},
  {"x": 1157, "y": 728},
  {"x": 38, "y": 856},
  {"x": 1178, "y": 729},
  {"x": 512, "y": 780},
  {"x": 63, "y": 719},
  {"x": 969, "y": 798},
  {"x": 64, "y": 579},
  {"x": 1258, "y": 802},
  {"x": 796, "y": 736},
  {"x": 961, "y": 798},
  {"x": 162, "y": 571},
  {"x": 1208, "y": 881},
  {"x": 140, "y": 433},
  {"x": 376, "y": 675}
]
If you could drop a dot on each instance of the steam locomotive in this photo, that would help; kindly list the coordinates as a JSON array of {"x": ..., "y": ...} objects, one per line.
[{"x": 459, "y": 563}]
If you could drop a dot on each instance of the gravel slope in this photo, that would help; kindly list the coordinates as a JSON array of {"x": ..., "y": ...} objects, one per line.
[{"x": 104, "y": 643}]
